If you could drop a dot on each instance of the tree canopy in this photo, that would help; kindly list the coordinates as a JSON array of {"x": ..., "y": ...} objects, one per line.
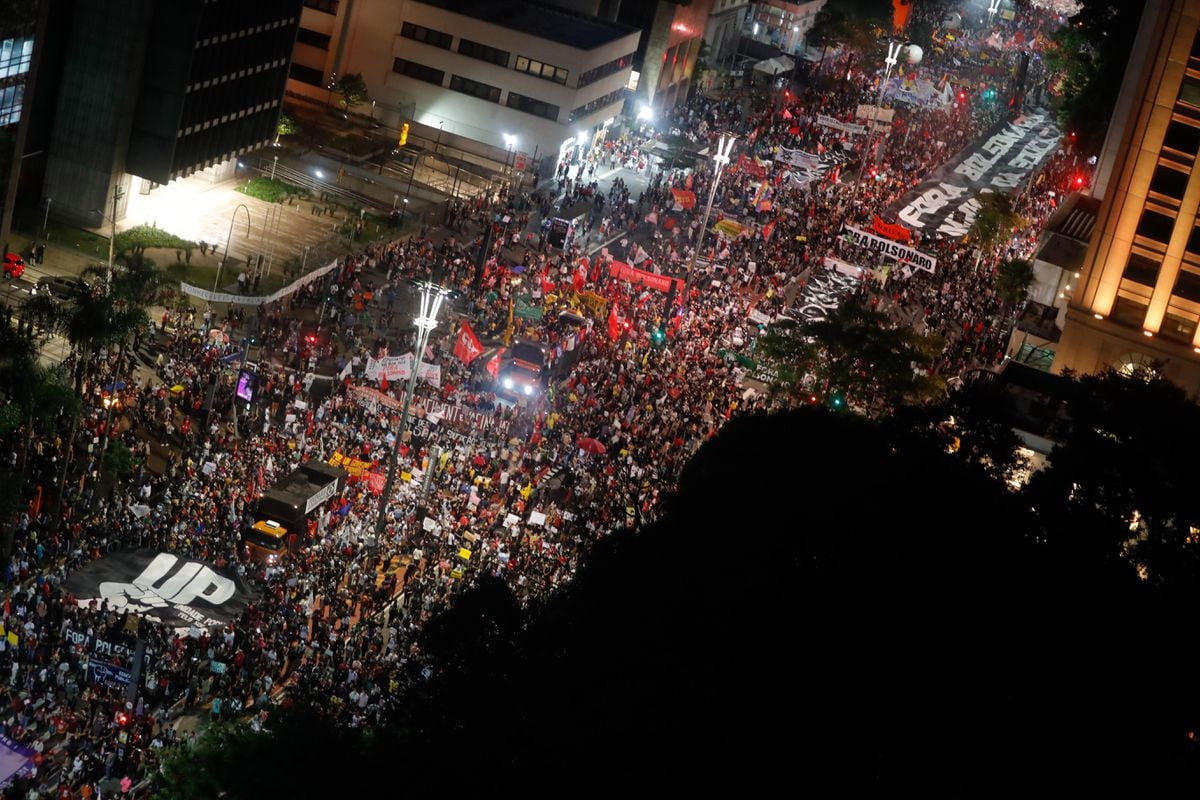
[
  {"x": 352, "y": 90},
  {"x": 846, "y": 598}
]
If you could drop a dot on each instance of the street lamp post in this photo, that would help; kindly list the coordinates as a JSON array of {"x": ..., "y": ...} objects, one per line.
[
  {"x": 112, "y": 238},
  {"x": 993, "y": 7},
  {"x": 432, "y": 296},
  {"x": 228, "y": 239},
  {"x": 720, "y": 159},
  {"x": 274, "y": 164},
  {"x": 892, "y": 57}
]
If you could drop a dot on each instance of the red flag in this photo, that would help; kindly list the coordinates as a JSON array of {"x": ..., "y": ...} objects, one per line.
[
  {"x": 493, "y": 366},
  {"x": 382, "y": 382},
  {"x": 466, "y": 345},
  {"x": 614, "y": 323}
]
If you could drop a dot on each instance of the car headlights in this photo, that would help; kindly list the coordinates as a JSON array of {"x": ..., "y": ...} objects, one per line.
[
  {"x": 528, "y": 389},
  {"x": 508, "y": 384}
]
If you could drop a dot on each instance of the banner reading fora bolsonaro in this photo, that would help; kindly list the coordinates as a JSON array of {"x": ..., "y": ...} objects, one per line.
[
  {"x": 889, "y": 248},
  {"x": 165, "y": 588}
]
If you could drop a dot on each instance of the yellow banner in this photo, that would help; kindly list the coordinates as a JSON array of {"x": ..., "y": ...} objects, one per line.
[
  {"x": 354, "y": 466},
  {"x": 730, "y": 229},
  {"x": 464, "y": 554}
]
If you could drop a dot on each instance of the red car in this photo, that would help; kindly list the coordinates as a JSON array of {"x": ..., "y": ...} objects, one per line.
[{"x": 14, "y": 265}]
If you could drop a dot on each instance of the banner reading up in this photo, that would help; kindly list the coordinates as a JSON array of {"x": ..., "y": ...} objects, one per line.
[{"x": 164, "y": 588}]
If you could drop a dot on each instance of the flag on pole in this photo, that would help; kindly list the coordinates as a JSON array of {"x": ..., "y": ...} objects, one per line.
[
  {"x": 466, "y": 345},
  {"x": 493, "y": 366}
]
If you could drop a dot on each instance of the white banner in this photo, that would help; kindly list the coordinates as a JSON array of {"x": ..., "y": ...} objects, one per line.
[
  {"x": 826, "y": 121},
  {"x": 398, "y": 368},
  {"x": 844, "y": 267},
  {"x": 256, "y": 300},
  {"x": 889, "y": 248}
]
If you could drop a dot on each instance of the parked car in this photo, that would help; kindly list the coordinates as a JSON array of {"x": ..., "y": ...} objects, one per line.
[
  {"x": 14, "y": 265},
  {"x": 61, "y": 287}
]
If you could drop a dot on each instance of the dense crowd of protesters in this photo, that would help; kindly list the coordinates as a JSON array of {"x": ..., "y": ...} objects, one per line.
[{"x": 504, "y": 489}]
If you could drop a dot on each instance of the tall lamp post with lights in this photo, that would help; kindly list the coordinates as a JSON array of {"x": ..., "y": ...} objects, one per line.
[
  {"x": 720, "y": 160},
  {"x": 432, "y": 296},
  {"x": 893, "y": 57},
  {"x": 993, "y": 7}
]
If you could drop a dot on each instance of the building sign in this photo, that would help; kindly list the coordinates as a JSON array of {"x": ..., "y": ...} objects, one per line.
[
  {"x": 891, "y": 249},
  {"x": 947, "y": 201}
]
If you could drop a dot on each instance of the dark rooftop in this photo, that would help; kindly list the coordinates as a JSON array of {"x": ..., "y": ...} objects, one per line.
[{"x": 545, "y": 22}]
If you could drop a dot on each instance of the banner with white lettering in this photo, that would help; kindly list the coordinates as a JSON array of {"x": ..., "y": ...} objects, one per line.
[
  {"x": 256, "y": 300},
  {"x": 804, "y": 168},
  {"x": 162, "y": 587},
  {"x": 100, "y": 648},
  {"x": 823, "y": 292},
  {"x": 946, "y": 202},
  {"x": 891, "y": 249}
]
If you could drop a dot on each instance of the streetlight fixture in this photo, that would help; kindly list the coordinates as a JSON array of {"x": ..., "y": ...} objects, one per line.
[
  {"x": 993, "y": 7},
  {"x": 432, "y": 296},
  {"x": 893, "y": 56},
  {"x": 274, "y": 164},
  {"x": 229, "y": 239},
  {"x": 112, "y": 238},
  {"x": 720, "y": 159}
]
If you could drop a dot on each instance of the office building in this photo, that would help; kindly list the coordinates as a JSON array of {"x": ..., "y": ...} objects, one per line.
[
  {"x": 782, "y": 24},
  {"x": 518, "y": 82},
  {"x": 666, "y": 58},
  {"x": 724, "y": 30},
  {"x": 153, "y": 90},
  {"x": 19, "y": 30},
  {"x": 1137, "y": 301}
]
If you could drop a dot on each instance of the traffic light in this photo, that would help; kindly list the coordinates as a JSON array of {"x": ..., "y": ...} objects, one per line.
[
  {"x": 1078, "y": 182},
  {"x": 658, "y": 337},
  {"x": 403, "y": 135},
  {"x": 962, "y": 96},
  {"x": 837, "y": 401}
]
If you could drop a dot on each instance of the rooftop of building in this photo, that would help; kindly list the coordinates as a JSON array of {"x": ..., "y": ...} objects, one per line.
[
  {"x": 1065, "y": 238},
  {"x": 545, "y": 22}
]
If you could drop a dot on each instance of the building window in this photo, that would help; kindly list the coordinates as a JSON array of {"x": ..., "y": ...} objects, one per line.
[
  {"x": 426, "y": 35},
  {"x": 327, "y": 6},
  {"x": 1169, "y": 182},
  {"x": 604, "y": 70},
  {"x": 1182, "y": 137},
  {"x": 1189, "y": 91},
  {"x": 1187, "y": 286},
  {"x": 1141, "y": 269},
  {"x": 15, "y": 57},
  {"x": 540, "y": 69},
  {"x": 483, "y": 52},
  {"x": 312, "y": 38},
  {"x": 1156, "y": 226},
  {"x": 1177, "y": 328},
  {"x": 313, "y": 77},
  {"x": 421, "y": 72},
  {"x": 11, "y": 98},
  {"x": 1127, "y": 311},
  {"x": 474, "y": 88},
  {"x": 531, "y": 106},
  {"x": 597, "y": 104}
]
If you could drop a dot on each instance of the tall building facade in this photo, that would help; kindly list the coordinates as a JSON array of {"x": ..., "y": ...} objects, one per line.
[
  {"x": 724, "y": 30},
  {"x": 1137, "y": 301},
  {"x": 782, "y": 23},
  {"x": 670, "y": 46},
  {"x": 523, "y": 79},
  {"x": 19, "y": 30},
  {"x": 193, "y": 84}
]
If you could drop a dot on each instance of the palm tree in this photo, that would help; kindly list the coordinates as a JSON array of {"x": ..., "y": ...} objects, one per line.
[
  {"x": 994, "y": 222},
  {"x": 1012, "y": 281}
]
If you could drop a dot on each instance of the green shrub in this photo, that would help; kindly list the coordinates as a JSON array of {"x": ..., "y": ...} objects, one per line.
[{"x": 272, "y": 191}]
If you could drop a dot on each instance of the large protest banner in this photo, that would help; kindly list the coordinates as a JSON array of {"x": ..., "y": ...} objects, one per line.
[
  {"x": 947, "y": 201},
  {"x": 889, "y": 248},
  {"x": 825, "y": 291},
  {"x": 257, "y": 300},
  {"x": 175, "y": 591}
]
